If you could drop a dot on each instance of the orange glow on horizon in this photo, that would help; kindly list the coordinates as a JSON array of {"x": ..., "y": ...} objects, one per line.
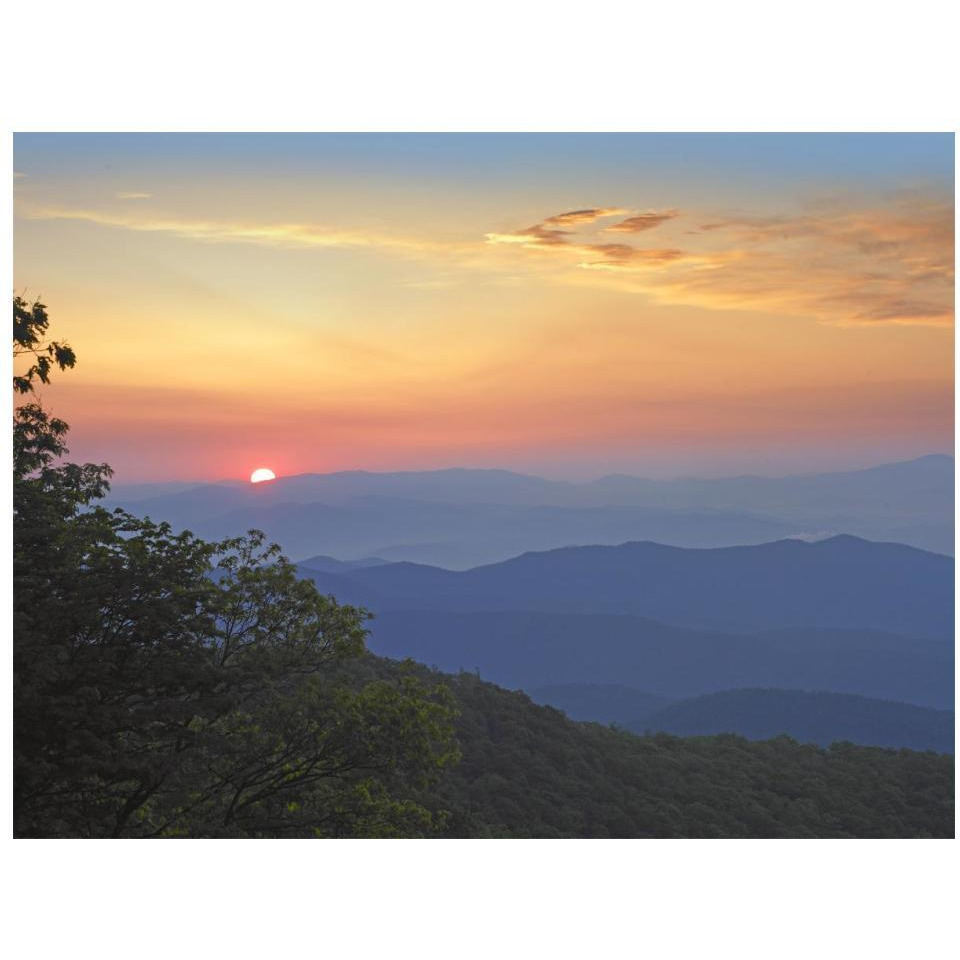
[{"x": 627, "y": 306}]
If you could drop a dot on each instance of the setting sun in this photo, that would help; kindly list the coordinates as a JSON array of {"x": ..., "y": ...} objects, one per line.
[{"x": 261, "y": 474}]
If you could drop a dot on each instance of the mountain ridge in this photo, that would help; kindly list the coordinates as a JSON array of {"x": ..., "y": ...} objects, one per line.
[
  {"x": 841, "y": 583},
  {"x": 929, "y": 458},
  {"x": 461, "y": 517},
  {"x": 528, "y": 650}
]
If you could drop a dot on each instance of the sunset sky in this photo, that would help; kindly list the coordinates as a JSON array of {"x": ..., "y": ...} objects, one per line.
[{"x": 569, "y": 305}]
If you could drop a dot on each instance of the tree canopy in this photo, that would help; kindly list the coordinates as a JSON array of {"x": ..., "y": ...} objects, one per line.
[{"x": 165, "y": 686}]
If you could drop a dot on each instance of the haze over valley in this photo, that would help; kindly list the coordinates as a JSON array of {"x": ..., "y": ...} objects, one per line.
[
  {"x": 652, "y": 591},
  {"x": 463, "y": 518}
]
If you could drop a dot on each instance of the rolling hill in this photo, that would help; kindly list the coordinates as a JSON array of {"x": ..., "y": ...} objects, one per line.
[{"x": 840, "y": 583}]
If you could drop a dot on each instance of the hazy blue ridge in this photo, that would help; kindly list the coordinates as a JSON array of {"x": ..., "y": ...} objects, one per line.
[{"x": 839, "y": 583}]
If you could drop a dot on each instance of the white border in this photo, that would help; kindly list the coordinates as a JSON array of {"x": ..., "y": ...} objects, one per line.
[{"x": 528, "y": 66}]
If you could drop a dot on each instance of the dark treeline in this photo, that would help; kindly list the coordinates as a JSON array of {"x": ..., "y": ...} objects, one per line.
[{"x": 169, "y": 687}]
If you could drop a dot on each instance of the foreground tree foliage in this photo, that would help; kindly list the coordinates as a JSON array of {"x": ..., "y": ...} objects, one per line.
[{"x": 165, "y": 686}]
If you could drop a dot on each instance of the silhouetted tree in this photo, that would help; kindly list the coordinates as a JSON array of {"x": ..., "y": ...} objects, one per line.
[
  {"x": 164, "y": 686},
  {"x": 30, "y": 324}
]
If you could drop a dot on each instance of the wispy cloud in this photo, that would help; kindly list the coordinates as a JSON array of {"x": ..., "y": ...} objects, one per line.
[
  {"x": 131, "y": 195},
  {"x": 551, "y": 232},
  {"x": 547, "y": 235},
  {"x": 889, "y": 264},
  {"x": 892, "y": 263},
  {"x": 294, "y": 235},
  {"x": 578, "y": 217},
  {"x": 621, "y": 256},
  {"x": 643, "y": 221},
  {"x": 538, "y": 235}
]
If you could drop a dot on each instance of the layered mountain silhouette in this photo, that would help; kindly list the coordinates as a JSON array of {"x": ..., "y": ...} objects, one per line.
[
  {"x": 842, "y": 615},
  {"x": 891, "y": 487},
  {"x": 461, "y": 518},
  {"x": 819, "y": 606},
  {"x": 840, "y": 583},
  {"x": 458, "y": 536}
]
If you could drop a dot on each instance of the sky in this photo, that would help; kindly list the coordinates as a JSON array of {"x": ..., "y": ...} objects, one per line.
[{"x": 562, "y": 304}]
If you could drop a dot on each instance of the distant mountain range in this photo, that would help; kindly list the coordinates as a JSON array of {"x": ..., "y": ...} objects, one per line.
[
  {"x": 839, "y": 583},
  {"x": 462, "y": 518},
  {"x": 842, "y": 615},
  {"x": 459, "y": 536},
  {"x": 880, "y": 486},
  {"x": 759, "y": 714},
  {"x": 820, "y": 606}
]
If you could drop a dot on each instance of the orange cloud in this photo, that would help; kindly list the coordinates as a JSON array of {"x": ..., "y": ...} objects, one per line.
[
  {"x": 618, "y": 254},
  {"x": 576, "y": 217},
  {"x": 892, "y": 264},
  {"x": 887, "y": 264},
  {"x": 546, "y": 235},
  {"x": 643, "y": 221}
]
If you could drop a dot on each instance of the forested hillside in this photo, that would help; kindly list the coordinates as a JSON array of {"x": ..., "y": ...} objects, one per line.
[{"x": 528, "y": 771}]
